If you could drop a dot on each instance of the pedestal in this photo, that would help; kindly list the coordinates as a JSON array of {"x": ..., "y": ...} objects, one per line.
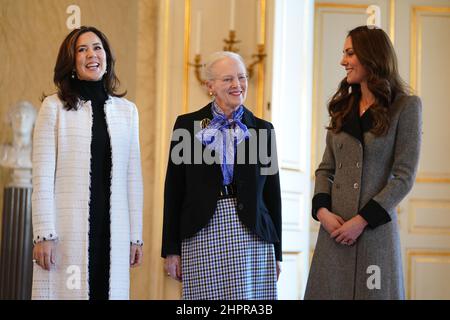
[{"x": 16, "y": 265}]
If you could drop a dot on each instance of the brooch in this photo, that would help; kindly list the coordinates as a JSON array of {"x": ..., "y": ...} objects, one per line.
[{"x": 204, "y": 123}]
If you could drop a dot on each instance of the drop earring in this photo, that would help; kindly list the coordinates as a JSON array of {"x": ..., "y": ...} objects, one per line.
[{"x": 73, "y": 74}]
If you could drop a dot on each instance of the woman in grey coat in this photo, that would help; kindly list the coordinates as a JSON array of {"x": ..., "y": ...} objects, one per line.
[{"x": 368, "y": 167}]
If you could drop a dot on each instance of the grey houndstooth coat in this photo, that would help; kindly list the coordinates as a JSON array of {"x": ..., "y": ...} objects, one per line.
[{"x": 370, "y": 178}]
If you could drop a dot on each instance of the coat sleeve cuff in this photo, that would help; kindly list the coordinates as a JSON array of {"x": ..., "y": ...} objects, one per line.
[
  {"x": 374, "y": 214},
  {"x": 45, "y": 236},
  {"x": 170, "y": 249},
  {"x": 139, "y": 243},
  {"x": 320, "y": 200}
]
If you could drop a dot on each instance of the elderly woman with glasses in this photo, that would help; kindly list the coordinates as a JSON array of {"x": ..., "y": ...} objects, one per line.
[{"x": 222, "y": 218}]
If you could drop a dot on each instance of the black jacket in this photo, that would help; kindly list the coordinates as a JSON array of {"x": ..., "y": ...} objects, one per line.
[{"x": 191, "y": 190}]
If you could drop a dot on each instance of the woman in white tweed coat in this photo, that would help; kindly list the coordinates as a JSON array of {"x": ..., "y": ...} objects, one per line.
[
  {"x": 68, "y": 134},
  {"x": 368, "y": 167}
]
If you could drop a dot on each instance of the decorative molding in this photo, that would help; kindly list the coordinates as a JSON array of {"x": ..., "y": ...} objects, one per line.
[
  {"x": 340, "y": 5},
  {"x": 429, "y": 256},
  {"x": 392, "y": 6},
  {"x": 433, "y": 178},
  {"x": 416, "y": 70},
  {"x": 297, "y": 259},
  {"x": 298, "y": 198},
  {"x": 415, "y": 204},
  {"x": 290, "y": 166},
  {"x": 416, "y": 42}
]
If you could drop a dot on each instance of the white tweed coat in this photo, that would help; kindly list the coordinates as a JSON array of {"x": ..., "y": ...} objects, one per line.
[{"x": 60, "y": 200}]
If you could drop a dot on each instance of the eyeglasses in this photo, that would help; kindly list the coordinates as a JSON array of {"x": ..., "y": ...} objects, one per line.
[{"x": 230, "y": 79}]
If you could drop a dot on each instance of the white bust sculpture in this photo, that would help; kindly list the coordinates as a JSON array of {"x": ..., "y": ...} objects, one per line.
[{"x": 17, "y": 156}]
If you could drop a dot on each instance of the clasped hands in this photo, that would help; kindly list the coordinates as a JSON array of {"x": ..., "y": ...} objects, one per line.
[{"x": 343, "y": 232}]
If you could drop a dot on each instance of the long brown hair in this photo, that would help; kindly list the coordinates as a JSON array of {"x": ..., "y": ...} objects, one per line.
[
  {"x": 68, "y": 92},
  {"x": 376, "y": 54}
]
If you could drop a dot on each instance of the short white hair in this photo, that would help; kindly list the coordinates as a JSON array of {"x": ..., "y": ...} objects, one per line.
[{"x": 216, "y": 57}]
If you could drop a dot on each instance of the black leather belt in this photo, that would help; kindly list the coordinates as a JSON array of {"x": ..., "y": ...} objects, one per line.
[{"x": 228, "y": 190}]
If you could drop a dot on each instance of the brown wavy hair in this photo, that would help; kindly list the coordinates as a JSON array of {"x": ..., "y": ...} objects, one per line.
[
  {"x": 68, "y": 91},
  {"x": 376, "y": 54}
]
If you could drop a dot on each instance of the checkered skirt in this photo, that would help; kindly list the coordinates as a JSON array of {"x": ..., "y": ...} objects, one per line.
[{"x": 227, "y": 261}]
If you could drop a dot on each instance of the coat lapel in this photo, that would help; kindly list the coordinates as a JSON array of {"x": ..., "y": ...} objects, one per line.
[
  {"x": 248, "y": 119},
  {"x": 204, "y": 113}
]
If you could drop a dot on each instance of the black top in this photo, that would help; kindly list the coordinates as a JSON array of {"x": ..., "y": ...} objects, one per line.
[
  {"x": 191, "y": 190},
  {"x": 357, "y": 125},
  {"x": 99, "y": 206}
]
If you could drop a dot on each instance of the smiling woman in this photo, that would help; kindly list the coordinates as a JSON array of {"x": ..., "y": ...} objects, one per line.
[
  {"x": 83, "y": 47},
  {"x": 90, "y": 57},
  {"x": 222, "y": 221},
  {"x": 368, "y": 167},
  {"x": 87, "y": 183}
]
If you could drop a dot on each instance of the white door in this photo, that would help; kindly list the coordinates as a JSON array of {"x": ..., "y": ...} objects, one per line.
[
  {"x": 291, "y": 88},
  {"x": 423, "y": 47}
]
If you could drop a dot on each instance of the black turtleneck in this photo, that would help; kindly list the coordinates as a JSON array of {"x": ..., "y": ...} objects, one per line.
[{"x": 100, "y": 190}]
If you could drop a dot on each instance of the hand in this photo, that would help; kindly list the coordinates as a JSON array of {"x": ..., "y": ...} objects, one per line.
[
  {"x": 278, "y": 269},
  {"x": 330, "y": 221},
  {"x": 350, "y": 231},
  {"x": 44, "y": 254},
  {"x": 136, "y": 255},
  {"x": 172, "y": 265}
]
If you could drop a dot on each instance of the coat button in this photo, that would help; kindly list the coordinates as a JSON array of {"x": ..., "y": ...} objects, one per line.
[
  {"x": 355, "y": 186},
  {"x": 358, "y": 165},
  {"x": 340, "y": 145},
  {"x": 241, "y": 206}
]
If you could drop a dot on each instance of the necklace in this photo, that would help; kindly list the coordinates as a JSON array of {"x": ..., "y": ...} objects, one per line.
[{"x": 363, "y": 109}]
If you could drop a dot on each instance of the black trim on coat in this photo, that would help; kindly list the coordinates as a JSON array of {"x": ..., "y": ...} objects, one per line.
[
  {"x": 355, "y": 125},
  {"x": 320, "y": 200},
  {"x": 374, "y": 214}
]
